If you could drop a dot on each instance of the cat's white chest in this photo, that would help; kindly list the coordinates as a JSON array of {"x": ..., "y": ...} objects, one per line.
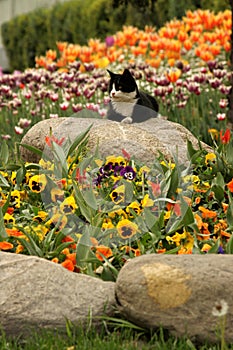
[{"x": 124, "y": 108}]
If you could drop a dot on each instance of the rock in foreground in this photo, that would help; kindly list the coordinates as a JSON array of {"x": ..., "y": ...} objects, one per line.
[
  {"x": 36, "y": 293},
  {"x": 144, "y": 140},
  {"x": 178, "y": 293}
]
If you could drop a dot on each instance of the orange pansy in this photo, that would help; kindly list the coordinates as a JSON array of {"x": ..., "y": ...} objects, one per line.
[
  {"x": 207, "y": 214},
  {"x": 230, "y": 185},
  {"x": 68, "y": 264},
  {"x": 105, "y": 251},
  {"x": 6, "y": 245}
]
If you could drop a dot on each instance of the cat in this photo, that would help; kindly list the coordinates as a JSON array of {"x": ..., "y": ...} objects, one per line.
[{"x": 128, "y": 104}]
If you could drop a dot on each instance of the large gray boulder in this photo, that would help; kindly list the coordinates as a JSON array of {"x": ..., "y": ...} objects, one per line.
[
  {"x": 178, "y": 292},
  {"x": 37, "y": 293},
  {"x": 144, "y": 140}
]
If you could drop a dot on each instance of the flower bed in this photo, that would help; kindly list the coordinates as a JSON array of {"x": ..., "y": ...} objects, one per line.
[{"x": 91, "y": 215}]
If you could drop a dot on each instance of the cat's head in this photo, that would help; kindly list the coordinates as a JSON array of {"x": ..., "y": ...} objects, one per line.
[{"x": 122, "y": 87}]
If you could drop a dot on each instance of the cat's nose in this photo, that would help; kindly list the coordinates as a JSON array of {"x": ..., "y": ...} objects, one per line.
[{"x": 113, "y": 93}]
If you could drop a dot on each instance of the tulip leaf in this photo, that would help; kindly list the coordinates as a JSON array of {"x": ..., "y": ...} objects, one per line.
[
  {"x": 4, "y": 153},
  {"x": 3, "y": 233}
]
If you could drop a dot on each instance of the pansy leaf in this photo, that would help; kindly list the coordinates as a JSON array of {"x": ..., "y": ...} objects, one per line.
[
  {"x": 59, "y": 249},
  {"x": 218, "y": 192},
  {"x": 172, "y": 251},
  {"x": 30, "y": 245}
]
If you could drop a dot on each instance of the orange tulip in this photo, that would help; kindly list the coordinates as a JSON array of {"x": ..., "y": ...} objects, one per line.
[{"x": 174, "y": 75}]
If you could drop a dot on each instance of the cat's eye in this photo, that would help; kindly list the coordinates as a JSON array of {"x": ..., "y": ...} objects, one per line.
[{"x": 119, "y": 87}]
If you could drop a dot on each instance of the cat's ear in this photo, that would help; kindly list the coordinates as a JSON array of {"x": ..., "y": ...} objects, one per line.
[
  {"x": 127, "y": 72},
  {"x": 110, "y": 73}
]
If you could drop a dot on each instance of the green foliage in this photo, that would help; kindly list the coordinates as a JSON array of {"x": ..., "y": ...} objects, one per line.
[
  {"x": 215, "y": 5},
  {"x": 30, "y": 35},
  {"x": 166, "y": 10},
  {"x": 22, "y": 38}
]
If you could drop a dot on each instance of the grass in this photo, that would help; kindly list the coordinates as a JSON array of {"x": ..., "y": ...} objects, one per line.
[{"x": 119, "y": 338}]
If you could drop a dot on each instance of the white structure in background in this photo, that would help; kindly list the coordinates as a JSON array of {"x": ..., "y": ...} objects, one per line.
[{"x": 12, "y": 8}]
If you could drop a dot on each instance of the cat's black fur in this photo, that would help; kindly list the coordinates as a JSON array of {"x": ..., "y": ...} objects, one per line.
[{"x": 129, "y": 104}]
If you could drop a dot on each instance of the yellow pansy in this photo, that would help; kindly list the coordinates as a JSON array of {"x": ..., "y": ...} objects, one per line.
[
  {"x": 147, "y": 202},
  {"x": 210, "y": 157},
  {"x": 68, "y": 206},
  {"x": 126, "y": 228},
  {"x": 37, "y": 183},
  {"x": 118, "y": 195}
]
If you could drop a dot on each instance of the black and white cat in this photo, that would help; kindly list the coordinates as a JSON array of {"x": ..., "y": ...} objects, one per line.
[{"x": 129, "y": 104}]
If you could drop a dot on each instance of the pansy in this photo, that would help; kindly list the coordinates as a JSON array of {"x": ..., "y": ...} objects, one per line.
[
  {"x": 133, "y": 209},
  {"x": 214, "y": 133},
  {"x": 41, "y": 216},
  {"x": 207, "y": 214},
  {"x": 147, "y": 201},
  {"x": 13, "y": 232},
  {"x": 9, "y": 219},
  {"x": 118, "y": 195},
  {"x": 176, "y": 238},
  {"x": 68, "y": 206},
  {"x": 206, "y": 247},
  {"x": 37, "y": 183},
  {"x": 68, "y": 264},
  {"x": 46, "y": 164},
  {"x": 118, "y": 213},
  {"x": 40, "y": 231},
  {"x": 126, "y": 228},
  {"x": 58, "y": 219},
  {"x": 101, "y": 252},
  {"x": 57, "y": 194},
  {"x": 128, "y": 250},
  {"x": 15, "y": 198},
  {"x": 107, "y": 224},
  {"x": 230, "y": 185},
  {"x": 128, "y": 173},
  {"x": 210, "y": 158},
  {"x": 4, "y": 245},
  {"x": 114, "y": 161}
]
